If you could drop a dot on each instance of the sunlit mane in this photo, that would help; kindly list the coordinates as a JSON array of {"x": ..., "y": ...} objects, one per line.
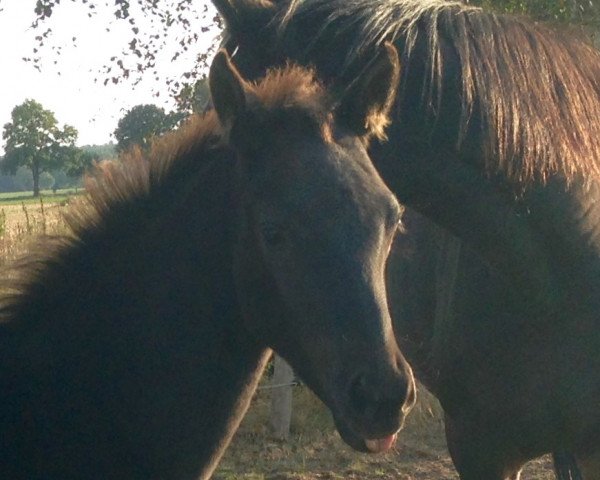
[
  {"x": 136, "y": 173},
  {"x": 119, "y": 194},
  {"x": 172, "y": 158},
  {"x": 290, "y": 86},
  {"x": 536, "y": 89}
]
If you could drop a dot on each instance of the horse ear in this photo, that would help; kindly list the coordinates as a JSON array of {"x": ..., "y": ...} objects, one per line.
[
  {"x": 240, "y": 15},
  {"x": 227, "y": 89},
  {"x": 364, "y": 105}
]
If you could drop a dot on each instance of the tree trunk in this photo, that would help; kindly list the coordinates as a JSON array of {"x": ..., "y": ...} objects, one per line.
[
  {"x": 281, "y": 398},
  {"x": 35, "y": 171}
]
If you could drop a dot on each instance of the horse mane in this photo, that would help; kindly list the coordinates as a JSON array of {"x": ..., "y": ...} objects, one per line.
[
  {"x": 180, "y": 153},
  {"x": 120, "y": 195},
  {"x": 138, "y": 174},
  {"x": 535, "y": 87}
]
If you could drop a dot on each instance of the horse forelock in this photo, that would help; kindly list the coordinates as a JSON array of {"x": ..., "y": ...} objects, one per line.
[
  {"x": 535, "y": 89},
  {"x": 290, "y": 89},
  {"x": 290, "y": 86}
]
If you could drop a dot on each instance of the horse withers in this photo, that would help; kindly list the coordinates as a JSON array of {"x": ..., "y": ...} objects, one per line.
[{"x": 130, "y": 347}]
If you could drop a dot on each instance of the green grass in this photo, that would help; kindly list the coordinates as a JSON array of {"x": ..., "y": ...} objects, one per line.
[{"x": 48, "y": 196}]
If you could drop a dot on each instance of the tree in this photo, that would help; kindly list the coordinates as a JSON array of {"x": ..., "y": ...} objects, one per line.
[
  {"x": 89, "y": 155},
  {"x": 142, "y": 123},
  {"x": 103, "y": 152},
  {"x": 34, "y": 140},
  {"x": 78, "y": 164},
  {"x": 194, "y": 98}
]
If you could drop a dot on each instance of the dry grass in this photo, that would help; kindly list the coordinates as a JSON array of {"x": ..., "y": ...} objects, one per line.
[
  {"x": 22, "y": 223},
  {"x": 314, "y": 450}
]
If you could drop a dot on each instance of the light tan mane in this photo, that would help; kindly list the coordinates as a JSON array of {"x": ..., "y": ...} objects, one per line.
[
  {"x": 119, "y": 194},
  {"x": 535, "y": 89},
  {"x": 290, "y": 86},
  {"x": 136, "y": 172}
]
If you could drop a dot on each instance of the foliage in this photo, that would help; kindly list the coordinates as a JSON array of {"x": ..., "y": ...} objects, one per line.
[
  {"x": 86, "y": 158},
  {"x": 7, "y": 182},
  {"x": 61, "y": 180},
  {"x": 142, "y": 123},
  {"x": 22, "y": 179},
  {"x": 34, "y": 140},
  {"x": 194, "y": 98},
  {"x": 153, "y": 25},
  {"x": 78, "y": 164},
  {"x": 103, "y": 152},
  {"x": 581, "y": 12},
  {"x": 46, "y": 180}
]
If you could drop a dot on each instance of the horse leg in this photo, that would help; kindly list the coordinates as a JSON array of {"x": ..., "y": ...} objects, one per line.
[{"x": 476, "y": 459}]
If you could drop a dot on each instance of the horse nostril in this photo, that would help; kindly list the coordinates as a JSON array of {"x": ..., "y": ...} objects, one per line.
[
  {"x": 360, "y": 395},
  {"x": 379, "y": 401}
]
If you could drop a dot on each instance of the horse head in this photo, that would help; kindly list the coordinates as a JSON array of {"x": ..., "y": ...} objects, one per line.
[{"x": 315, "y": 226}]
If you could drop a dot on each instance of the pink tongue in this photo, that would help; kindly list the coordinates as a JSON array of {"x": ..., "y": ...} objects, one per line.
[{"x": 381, "y": 444}]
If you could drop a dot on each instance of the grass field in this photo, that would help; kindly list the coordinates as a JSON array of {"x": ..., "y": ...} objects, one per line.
[
  {"x": 314, "y": 450},
  {"x": 48, "y": 196}
]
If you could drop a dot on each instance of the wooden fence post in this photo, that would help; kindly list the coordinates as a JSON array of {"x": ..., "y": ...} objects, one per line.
[{"x": 281, "y": 398}]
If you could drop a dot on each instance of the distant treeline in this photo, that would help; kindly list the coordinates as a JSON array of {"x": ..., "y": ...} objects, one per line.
[{"x": 23, "y": 182}]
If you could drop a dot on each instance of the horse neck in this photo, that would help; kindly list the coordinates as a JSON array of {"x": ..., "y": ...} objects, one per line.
[
  {"x": 202, "y": 234},
  {"x": 459, "y": 198},
  {"x": 144, "y": 254},
  {"x": 567, "y": 217},
  {"x": 145, "y": 291},
  {"x": 534, "y": 238}
]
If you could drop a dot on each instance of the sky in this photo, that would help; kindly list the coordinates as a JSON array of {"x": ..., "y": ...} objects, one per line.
[{"x": 67, "y": 88}]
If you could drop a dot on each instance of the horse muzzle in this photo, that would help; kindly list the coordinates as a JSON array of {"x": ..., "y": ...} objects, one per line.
[{"x": 374, "y": 410}]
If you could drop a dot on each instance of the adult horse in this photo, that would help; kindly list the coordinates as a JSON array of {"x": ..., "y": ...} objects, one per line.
[
  {"x": 496, "y": 138},
  {"x": 130, "y": 348}
]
